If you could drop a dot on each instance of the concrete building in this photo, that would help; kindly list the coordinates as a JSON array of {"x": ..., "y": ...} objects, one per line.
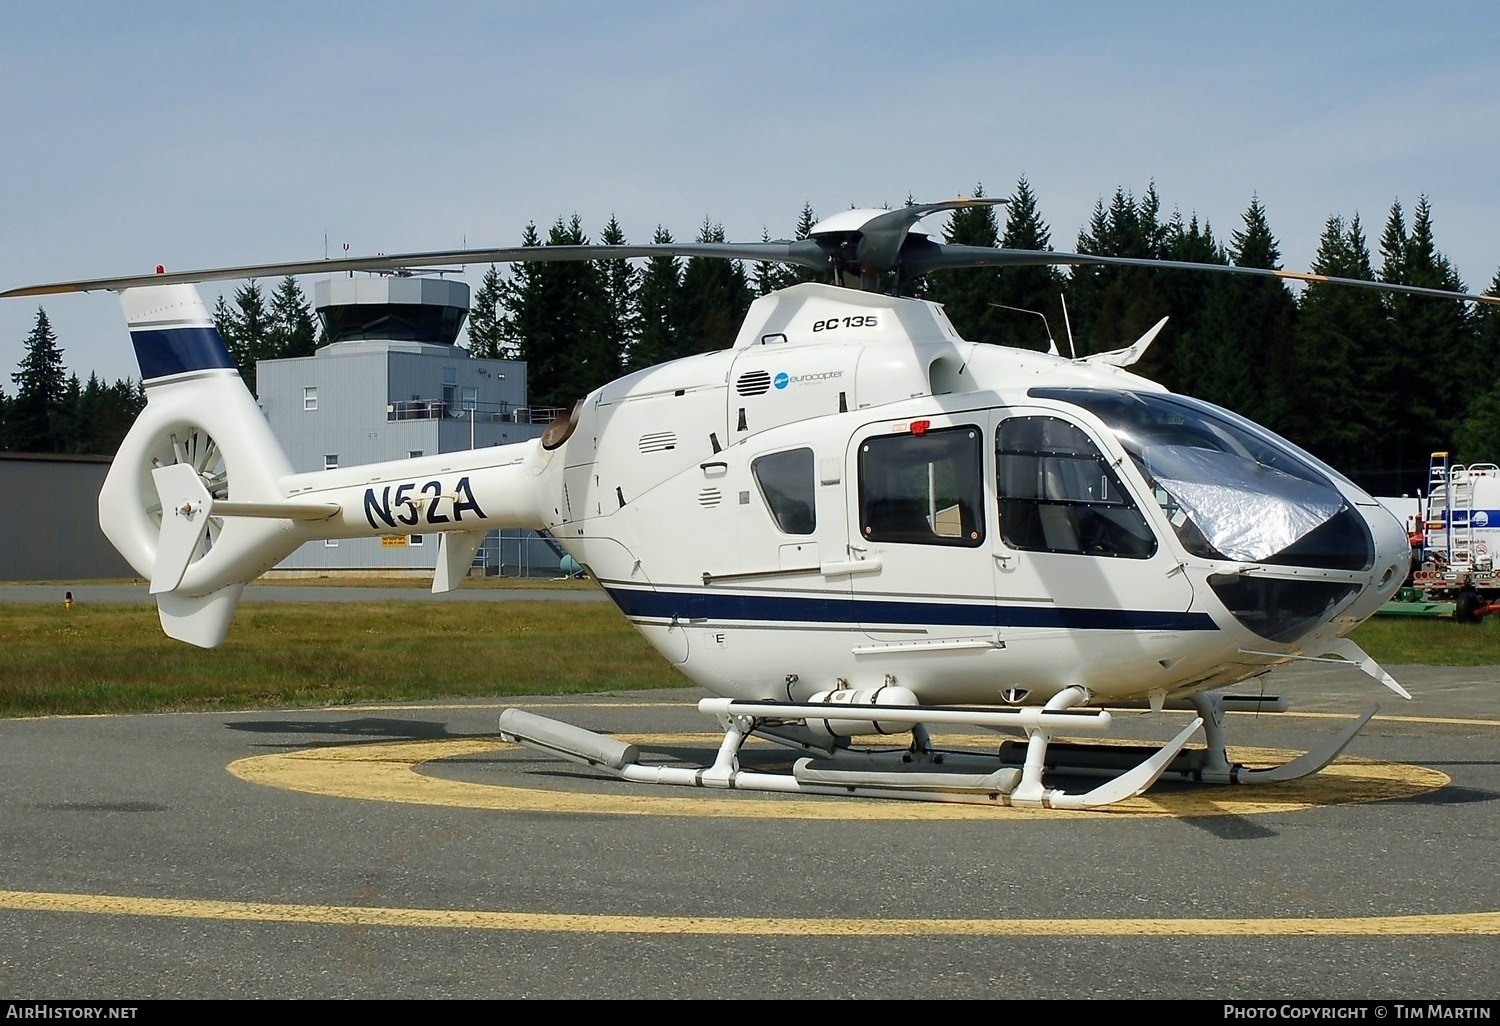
[
  {"x": 53, "y": 519},
  {"x": 392, "y": 383}
]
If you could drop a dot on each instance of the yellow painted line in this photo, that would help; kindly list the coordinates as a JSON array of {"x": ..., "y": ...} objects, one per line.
[
  {"x": 1379, "y": 718},
  {"x": 1441, "y": 924},
  {"x": 388, "y": 772}
]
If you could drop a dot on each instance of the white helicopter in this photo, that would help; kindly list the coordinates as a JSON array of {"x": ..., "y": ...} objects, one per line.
[{"x": 852, "y": 522}]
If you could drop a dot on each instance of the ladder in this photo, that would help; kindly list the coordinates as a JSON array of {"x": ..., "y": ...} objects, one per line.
[{"x": 1454, "y": 512}]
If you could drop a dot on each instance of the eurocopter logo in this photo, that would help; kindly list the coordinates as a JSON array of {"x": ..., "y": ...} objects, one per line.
[{"x": 784, "y": 379}]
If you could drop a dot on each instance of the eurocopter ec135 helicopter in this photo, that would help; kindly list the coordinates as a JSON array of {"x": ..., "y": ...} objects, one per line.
[{"x": 851, "y": 522}]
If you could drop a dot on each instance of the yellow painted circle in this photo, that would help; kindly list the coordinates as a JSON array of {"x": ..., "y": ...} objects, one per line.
[{"x": 390, "y": 772}]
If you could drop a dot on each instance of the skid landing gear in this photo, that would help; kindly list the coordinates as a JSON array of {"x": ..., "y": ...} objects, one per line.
[
  {"x": 1014, "y": 776},
  {"x": 1209, "y": 764},
  {"x": 919, "y": 773}
]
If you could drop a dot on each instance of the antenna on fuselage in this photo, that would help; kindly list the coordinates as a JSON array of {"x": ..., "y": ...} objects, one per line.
[
  {"x": 1072, "y": 349},
  {"x": 1051, "y": 342}
]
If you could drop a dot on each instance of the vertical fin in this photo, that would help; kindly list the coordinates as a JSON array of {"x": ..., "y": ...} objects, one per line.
[{"x": 201, "y": 620}]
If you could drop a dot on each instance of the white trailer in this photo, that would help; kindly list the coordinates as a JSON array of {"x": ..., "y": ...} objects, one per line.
[{"x": 1460, "y": 536}]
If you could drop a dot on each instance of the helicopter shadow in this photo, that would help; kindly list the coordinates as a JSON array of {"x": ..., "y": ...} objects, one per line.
[
  {"x": 1448, "y": 796},
  {"x": 371, "y": 728}
]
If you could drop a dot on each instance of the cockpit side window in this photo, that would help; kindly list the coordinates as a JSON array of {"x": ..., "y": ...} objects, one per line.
[
  {"x": 923, "y": 488},
  {"x": 786, "y": 482},
  {"x": 1058, "y": 494}
]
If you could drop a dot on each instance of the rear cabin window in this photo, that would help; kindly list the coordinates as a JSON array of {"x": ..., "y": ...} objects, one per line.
[
  {"x": 786, "y": 483},
  {"x": 1058, "y": 494},
  {"x": 926, "y": 489}
]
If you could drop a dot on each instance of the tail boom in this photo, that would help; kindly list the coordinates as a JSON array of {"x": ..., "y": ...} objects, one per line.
[{"x": 201, "y": 499}]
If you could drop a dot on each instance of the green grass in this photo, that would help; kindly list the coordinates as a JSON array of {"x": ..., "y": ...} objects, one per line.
[
  {"x": 1430, "y": 642},
  {"x": 107, "y": 659},
  {"x": 111, "y": 659}
]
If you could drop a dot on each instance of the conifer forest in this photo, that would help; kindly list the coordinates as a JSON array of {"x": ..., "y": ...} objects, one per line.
[{"x": 1370, "y": 382}]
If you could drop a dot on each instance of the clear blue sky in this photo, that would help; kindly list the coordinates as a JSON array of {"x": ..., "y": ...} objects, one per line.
[{"x": 197, "y": 135}]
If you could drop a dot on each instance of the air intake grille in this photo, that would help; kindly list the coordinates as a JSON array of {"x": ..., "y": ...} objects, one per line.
[
  {"x": 753, "y": 383},
  {"x": 709, "y": 498},
  {"x": 658, "y": 441}
]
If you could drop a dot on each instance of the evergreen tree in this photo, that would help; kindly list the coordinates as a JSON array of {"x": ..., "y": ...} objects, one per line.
[
  {"x": 620, "y": 323},
  {"x": 658, "y": 298},
  {"x": 1419, "y": 379},
  {"x": 68, "y": 425},
  {"x": 486, "y": 334},
  {"x": 224, "y": 323},
  {"x": 967, "y": 294},
  {"x": 1339, "y": 331},
  {"x": 1111, "y": 307},
  {"x": 1478, "y": 438},
  {"x": 1256, "y": 319},
  {"x": 86, "y": 414},
  {"x": 35, "y": 416},
  {"x": 555, "y": 313},
  {"x": 250, "y": 327},
  {"x": 771, "y": 275},
  {"x": 806, "y": 221},
  {"x": 290, "y": 330},
  {"x": 1177, "y": 357},
  {"x": 715, "y": 297},
  {"x": 522, "y": 317},
  {"x": 1037, "y": 289}
]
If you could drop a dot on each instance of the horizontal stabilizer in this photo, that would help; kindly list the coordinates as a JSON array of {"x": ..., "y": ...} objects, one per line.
[{"x": 278, "y": 510}]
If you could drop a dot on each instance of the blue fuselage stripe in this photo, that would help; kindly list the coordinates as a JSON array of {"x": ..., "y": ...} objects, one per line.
[
  {"x": 164, "y": 351},
  {"x": 788, "y": 609}
]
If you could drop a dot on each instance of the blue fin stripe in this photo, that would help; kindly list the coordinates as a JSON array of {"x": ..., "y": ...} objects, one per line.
[{"x": 161, "y": 352}]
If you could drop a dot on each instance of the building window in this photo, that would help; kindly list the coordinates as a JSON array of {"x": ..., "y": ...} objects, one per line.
[
  {"x": 310, "y": 398},
  {"x": 331, "y": 461},
  {"x": 450, "y": 389},
  {"x": 471, "y": 398},
  {"x": 413, "y": 453},
  {"x": 414, "y": 539},
  {"x": 330, "y": 543}
]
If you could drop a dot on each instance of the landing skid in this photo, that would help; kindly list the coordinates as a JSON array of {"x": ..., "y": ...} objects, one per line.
[{"x": 923, "y": 773}]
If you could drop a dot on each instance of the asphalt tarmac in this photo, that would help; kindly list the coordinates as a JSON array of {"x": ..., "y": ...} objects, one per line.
[{"x": 405, "y": 852}]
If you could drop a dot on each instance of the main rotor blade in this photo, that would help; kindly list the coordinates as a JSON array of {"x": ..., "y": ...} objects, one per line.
[
  {"x": 921, "y": 259},
  {"x": 805, "y": 252}
]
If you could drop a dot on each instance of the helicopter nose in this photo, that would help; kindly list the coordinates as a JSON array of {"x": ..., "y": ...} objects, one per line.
[{"x": 1392, "y": 561}]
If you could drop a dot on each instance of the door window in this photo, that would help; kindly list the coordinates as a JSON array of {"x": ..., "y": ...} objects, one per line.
[
  {"x": 1058, "y": 493},
  {"x": 923, "y": 488}
]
